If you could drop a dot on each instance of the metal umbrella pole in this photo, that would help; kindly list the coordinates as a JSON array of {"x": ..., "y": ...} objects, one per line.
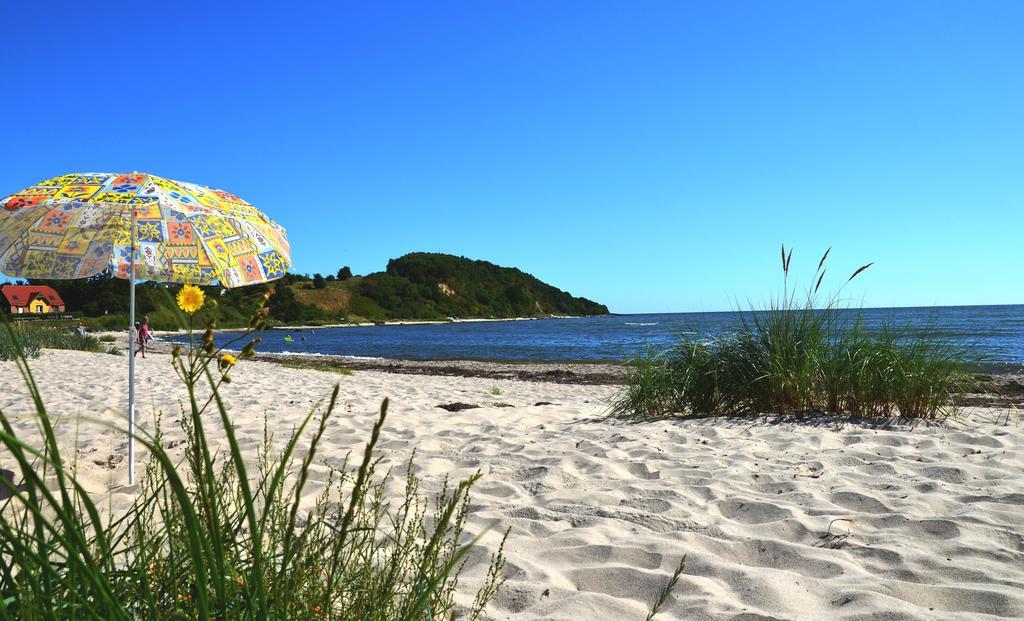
[{"x": 131, "y": 357}]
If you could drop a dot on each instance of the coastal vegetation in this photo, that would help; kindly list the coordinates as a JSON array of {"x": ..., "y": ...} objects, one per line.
[
  {"x": 28, "y": 340},
  {"x": 313, "y": 365},
  {"x": 419, "y": 285},
  {"x": 801, "y": 354}
]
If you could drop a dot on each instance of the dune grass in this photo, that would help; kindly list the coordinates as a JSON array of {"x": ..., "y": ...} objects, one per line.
[
  {"x": 28, "y": 340},
  {"x": 802, "y": 354},
  {"x": 212, "y": 535}
]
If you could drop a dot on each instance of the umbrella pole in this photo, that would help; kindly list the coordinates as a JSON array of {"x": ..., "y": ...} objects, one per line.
[{"x": 131, "y": 358}]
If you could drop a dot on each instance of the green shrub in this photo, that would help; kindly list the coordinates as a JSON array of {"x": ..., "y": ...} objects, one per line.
[
  {"x": 107, "y": 323},
  {"x": 53, "y": 338},
  {"x": 108, "y": 338},
  {"x": 365, "y": 307},
  {"x": 801, "y": 355}
]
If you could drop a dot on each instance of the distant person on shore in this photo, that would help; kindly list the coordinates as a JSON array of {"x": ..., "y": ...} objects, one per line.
[
  {"x": 144, "y": 335},
  {"x": 80, "y": 330}
]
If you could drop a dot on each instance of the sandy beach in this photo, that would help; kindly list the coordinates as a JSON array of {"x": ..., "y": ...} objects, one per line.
[{"x": 813, "y": 519}]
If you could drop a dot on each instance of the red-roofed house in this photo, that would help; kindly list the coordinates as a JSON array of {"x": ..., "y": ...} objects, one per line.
[{"x": 33, "y": 299}]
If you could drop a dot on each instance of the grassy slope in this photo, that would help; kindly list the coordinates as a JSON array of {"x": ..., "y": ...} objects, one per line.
[{"x": 334, "y": 298}]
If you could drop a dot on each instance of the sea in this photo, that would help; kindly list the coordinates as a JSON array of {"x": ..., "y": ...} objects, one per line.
[{"x": 995, "y": 334}]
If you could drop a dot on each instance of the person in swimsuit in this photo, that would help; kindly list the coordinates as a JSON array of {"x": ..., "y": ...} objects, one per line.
[{"x": 144, "y": 335}]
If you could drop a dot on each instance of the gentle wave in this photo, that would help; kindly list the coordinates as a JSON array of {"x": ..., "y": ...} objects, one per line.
[
  {"x": 629, "y": 323},
  {"x": 313, "y": 354}
]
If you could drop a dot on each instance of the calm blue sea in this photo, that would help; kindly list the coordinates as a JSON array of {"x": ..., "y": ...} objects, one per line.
[{"x": 995, "y": 332}]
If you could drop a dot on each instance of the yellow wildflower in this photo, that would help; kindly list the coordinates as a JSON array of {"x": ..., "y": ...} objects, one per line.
[
  {"x": 191, "y": 298},
  {"x": 227, "y": 360}
]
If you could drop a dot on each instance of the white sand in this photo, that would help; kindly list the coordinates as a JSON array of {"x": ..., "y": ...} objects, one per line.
[{"x": 602, "y": 510}]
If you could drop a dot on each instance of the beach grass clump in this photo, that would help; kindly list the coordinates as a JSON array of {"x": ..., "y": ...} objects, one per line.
[
  {"x": 29, "y": 340},
  {"x": 214, "y": 535},
  {"x": 18, "y": 343},
  {"x": 801, "y": 354}
]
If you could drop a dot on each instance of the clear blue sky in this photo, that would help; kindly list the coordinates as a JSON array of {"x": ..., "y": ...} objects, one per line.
[{"x": 649, "y": 155}]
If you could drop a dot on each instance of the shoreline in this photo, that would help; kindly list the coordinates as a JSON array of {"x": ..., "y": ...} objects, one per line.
[
  {"x": 1005, "y": 388},
  {"x": 425, "y": 322},
  {"x": 575, "y": 373},
  {"x": 581, "y": 373}
]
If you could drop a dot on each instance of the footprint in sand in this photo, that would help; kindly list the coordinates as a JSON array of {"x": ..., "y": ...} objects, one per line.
[
  {"x": 935, "y": 529},
  {"x": 648, "y": 505},
  {"x": 749, "y": 512},
  {"x": 597, "y": 555},
  {"x": 643, "y": 471},
  {"x": 496, "y": 489},
  {"x": 861, "y": 503},
  {"x": 948, "y": 474}
]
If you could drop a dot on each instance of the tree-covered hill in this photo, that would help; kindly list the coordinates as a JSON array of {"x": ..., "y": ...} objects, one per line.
[{"x": 425, "y": 285}]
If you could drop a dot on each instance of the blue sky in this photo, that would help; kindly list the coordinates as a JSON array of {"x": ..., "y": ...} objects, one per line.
[{"x": 649, "y": 155}]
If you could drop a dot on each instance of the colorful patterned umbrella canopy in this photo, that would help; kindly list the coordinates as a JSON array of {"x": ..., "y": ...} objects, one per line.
[{"x": 77, "y": 225}]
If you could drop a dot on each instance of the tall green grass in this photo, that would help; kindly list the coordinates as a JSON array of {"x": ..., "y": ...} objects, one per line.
[
  {"x": 28, "y": 340},
  {"x": 213, "y": 535},
  {"x": 804, "y": 353}
]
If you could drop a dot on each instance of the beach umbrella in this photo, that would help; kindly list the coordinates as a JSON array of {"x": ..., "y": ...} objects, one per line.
[{"x": 140, "y": 227}]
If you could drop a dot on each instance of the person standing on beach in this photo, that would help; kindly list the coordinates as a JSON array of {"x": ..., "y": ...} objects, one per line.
[{"x": 144, "y": 335}]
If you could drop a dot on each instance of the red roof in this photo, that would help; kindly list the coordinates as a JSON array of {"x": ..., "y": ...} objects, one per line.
[{"x": 21, "y": 295}]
